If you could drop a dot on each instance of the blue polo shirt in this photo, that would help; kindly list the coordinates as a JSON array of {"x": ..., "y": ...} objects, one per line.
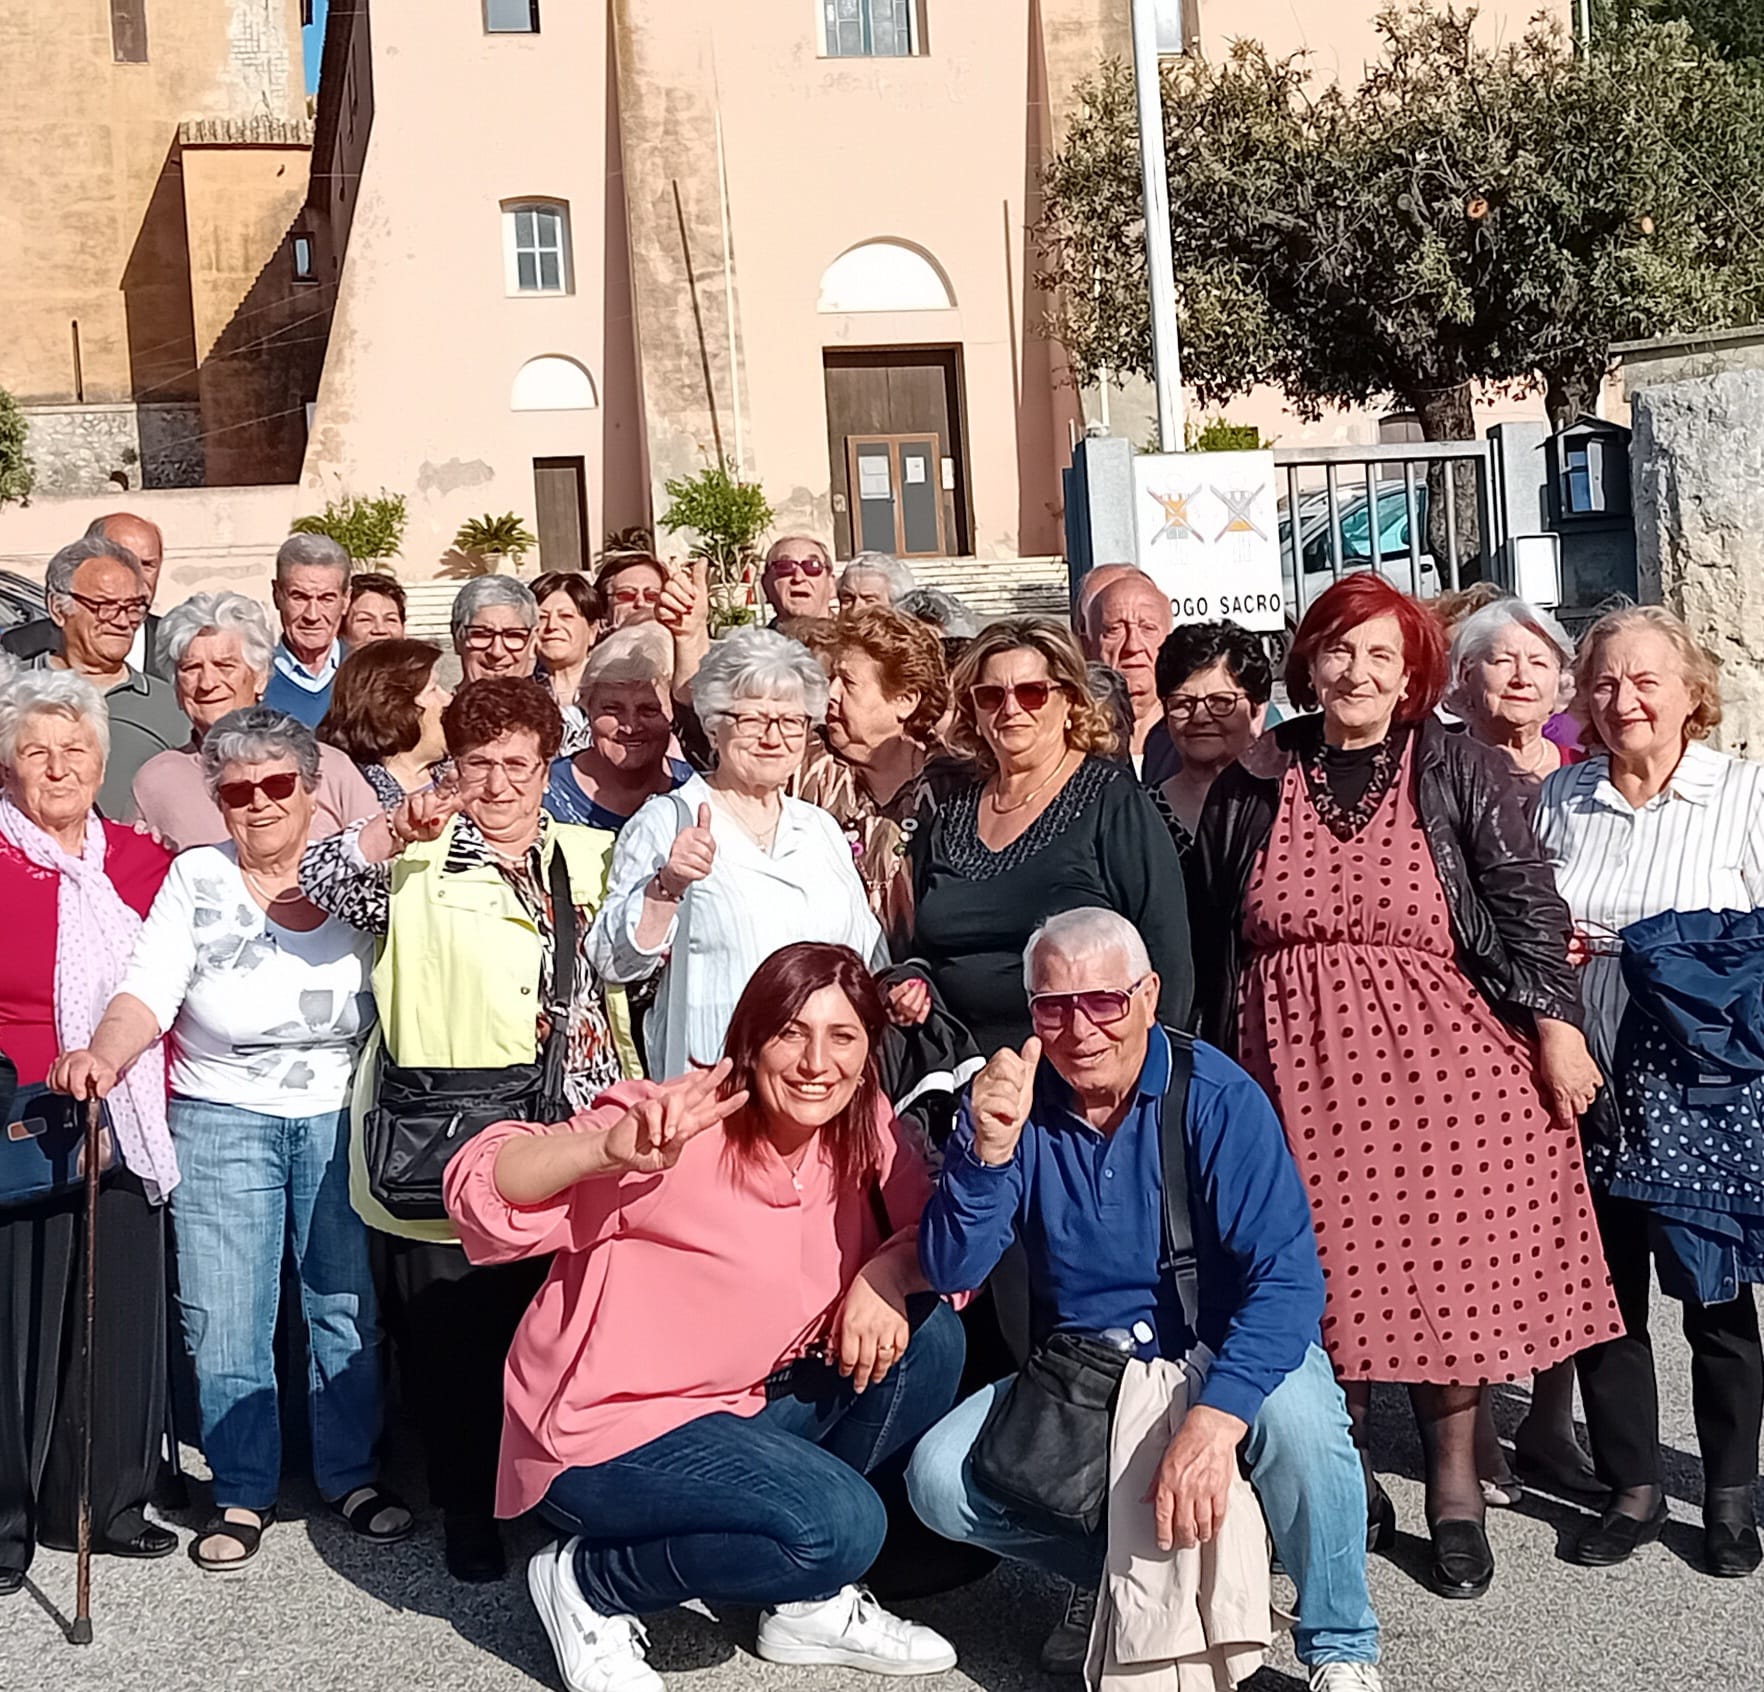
[{"x": 1088, "y": 1208}]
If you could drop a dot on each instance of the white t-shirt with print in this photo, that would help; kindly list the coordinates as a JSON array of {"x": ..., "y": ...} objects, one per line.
[{"x": 262, "y": 1017}]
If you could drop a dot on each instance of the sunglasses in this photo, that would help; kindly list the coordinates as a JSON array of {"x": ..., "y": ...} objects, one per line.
[
  {"x": 787, "y": 569},
  {"x": 277, "y": 788},
  {"x": 1050, "y": 1012},
  {"x": 1031, "y": 696}
]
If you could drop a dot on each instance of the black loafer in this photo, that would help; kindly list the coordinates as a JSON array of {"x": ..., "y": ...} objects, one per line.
[
  {"x": 11, "y": 1581},
  {"x": 1615, "y": 1538},
  {"x": 1731, "y": 1550},
  {"x": 150, "y": 1540},
  {"x": 1463, "y": 1563},
  {"x": 1381, "y": 1521},
  {"x": 474, "y": 1548}
]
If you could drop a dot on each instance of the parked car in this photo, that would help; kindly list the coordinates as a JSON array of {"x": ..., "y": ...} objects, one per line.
[
  {"x": 21, "y": 601},
  {"x": 1317, "y": 543}
]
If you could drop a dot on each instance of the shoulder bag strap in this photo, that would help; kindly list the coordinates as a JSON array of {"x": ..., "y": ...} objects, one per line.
[
  {"x": 563, "y": 938},
  {"x": 1179, "y": 1257}
]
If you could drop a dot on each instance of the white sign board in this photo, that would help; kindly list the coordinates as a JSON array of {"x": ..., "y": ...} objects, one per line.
[{"x": 1209, "y": 535}]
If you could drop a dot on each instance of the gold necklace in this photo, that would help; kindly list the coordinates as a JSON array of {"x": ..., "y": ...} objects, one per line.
[
  {"x": 1028, "y": 798},
  {"x": 263, "y": 892}
]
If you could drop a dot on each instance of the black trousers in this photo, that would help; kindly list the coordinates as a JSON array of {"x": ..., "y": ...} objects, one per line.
[
  {"x": 452, "y": 1325},
  {"x": 1617, "y": 1378},
  {"x": 42, "y": 1318}
]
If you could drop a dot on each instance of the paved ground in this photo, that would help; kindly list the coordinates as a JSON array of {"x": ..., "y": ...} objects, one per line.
[{"x": 315, "y": 1612}]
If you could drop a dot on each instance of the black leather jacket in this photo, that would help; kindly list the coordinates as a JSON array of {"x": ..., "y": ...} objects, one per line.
[{"x": 1510, "y": 925}]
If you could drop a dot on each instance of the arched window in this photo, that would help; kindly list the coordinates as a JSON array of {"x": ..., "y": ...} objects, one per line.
[
  {"x": 884, "y": 276},
  {"x": 552, "y": 383},
  {"x": 536, "y": 246}
]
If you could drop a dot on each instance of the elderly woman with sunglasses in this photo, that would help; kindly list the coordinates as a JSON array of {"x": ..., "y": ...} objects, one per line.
[
  {"x": 1055, "y": 822},
  {"x": 267, "y": 1001},
  {"x": 711, "y": 879}
]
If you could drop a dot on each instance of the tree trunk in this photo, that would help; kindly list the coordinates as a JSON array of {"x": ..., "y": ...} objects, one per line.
[{"x": 1449, "y": 414}]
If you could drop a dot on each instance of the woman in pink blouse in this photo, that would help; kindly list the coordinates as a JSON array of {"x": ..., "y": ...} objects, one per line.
[{"x": 734, "y": 1333}]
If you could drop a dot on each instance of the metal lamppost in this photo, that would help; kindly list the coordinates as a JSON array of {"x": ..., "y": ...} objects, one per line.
[{"x": 1160, "y": 258}]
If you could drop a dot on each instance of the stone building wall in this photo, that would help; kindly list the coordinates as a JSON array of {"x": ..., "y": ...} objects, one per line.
[{"x": 95, "y": 449}]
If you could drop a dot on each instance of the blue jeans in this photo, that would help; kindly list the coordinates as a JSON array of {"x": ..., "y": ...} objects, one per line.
[
  {"x": 250, "y": 1182},
  {"x": 766, "y": 1509},
  {"x": 1301, "y": 1461}
]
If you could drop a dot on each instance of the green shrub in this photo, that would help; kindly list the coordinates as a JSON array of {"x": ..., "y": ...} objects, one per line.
[
  {"x": 369, "y": 530},
  {"x": 17, "y": 476}
]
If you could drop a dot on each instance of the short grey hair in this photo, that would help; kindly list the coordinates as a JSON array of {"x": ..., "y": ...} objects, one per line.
[
  {"x": 1476, "y": 635},
  {"x": 749, "y": 663},
  {"x": 482, "y": 592},
  {"x": 50, "y": 693},
  {"x": 218, "y": 613},
  {"x": 896, "y": 574},
  {"x": 255, "y": 734},
  {"x": 639, "y": 652},
  {"x": 58, "y": 578},
  {"x": 1084, "y": 932},
  {"x": 312, "y": 552},
  {"x": 941, "y": 610}
]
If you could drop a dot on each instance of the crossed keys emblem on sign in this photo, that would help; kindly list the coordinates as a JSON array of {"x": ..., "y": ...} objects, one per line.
[{"x": 1238, "y": 521}]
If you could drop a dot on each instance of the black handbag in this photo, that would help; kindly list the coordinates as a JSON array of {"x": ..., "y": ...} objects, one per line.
[
  {"x": 1044, "y": 1451},
  {"x": 422, "y": 1116},
  {"x": 43, "y": 1143}
]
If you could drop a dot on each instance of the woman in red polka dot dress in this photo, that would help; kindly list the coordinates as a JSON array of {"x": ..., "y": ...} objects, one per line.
[{"x": 1388, "y": 955}]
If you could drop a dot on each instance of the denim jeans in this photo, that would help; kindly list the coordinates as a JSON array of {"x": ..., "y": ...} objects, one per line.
[
  {"x": 1301, "y": 1462},
  {"x": 766, "y": 1509},
  {"x": 250, "y": 1183}
]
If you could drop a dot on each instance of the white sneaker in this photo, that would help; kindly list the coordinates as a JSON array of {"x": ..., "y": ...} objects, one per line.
[
  {"x": 595, "y": 1653},
  {"x": 1346, "y": 1677},
  {"x": 852, "y": 1630}
]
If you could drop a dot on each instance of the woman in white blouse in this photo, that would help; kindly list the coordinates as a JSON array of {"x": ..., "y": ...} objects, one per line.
[
  {"x": 1656, "y": 821},
  {"x": 268, "y": 1003},
  {"x": 709, "y": 880}
]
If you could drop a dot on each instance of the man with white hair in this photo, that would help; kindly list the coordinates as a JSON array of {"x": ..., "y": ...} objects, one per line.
[
  {"x": 1125, "y": 621},
  {"x": 873, "y": 579},
  {"x": 1060, "y": 1146},
  {"x": 311, "y": 593},
  {"x": 495, "y": 628}
]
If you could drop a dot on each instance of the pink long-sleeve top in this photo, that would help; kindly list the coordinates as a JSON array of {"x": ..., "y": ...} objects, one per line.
[{"x": 670, "y": 1296}]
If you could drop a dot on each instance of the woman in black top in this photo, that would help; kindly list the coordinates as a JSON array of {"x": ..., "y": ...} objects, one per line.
[{"x": 1054, "y": 823}]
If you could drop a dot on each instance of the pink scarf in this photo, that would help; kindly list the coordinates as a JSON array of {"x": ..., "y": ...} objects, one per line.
[{"x": 95, "y": 935}]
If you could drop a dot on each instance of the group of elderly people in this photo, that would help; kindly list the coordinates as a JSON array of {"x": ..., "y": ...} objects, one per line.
[{"x": 513, "y": 1029}]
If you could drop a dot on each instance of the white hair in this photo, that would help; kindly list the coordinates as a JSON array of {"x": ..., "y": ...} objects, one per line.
[
  {"x": 49, "y": 693},
  {"x": 58, "y": 577},
  {"x": 218, "y": 613},
  {"x": 639, "y": 652},
  {"x": 942, "y": 611},
  {"x": 484, "y": 591},
  {"x": 255, "y": 734},
  {"x": 1475, "y": 637},
  {"x": 751, "y": 663},
  {"x": 1083, "y": 933},
  {"x": 312, "y": 552},
  {"x": 898, "y": 577}
]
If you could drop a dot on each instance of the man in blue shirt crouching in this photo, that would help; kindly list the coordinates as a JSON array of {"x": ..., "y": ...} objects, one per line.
[{"x": 1058, "y": 1145}]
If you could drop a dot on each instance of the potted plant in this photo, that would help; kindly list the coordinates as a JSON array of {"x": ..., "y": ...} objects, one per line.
[
  {"x": 490, "y": 540},
  {"x": 726, "y": 516}
]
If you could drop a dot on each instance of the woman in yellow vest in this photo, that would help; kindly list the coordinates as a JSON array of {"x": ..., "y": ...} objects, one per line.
[{"x": 459, "y": 882}]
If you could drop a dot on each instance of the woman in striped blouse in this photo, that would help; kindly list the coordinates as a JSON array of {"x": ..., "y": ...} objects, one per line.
[{"x": 1656, "y": 821}]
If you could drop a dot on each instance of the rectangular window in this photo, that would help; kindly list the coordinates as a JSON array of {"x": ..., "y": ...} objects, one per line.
[
  {"x": 128, "y": 31},
  {"x": 870, "y": 29},
  {"x": 305, "y": 269},
  {"x": 540, "y": 238},
  {"x": 511, "y": 17}
]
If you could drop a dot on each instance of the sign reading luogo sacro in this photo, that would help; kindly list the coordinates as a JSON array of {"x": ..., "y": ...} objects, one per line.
[{"x": 1208, "y": 529}]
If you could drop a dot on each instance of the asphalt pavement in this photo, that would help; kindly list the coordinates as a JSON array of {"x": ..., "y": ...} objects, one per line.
[{"x": 318, "y": 1612}]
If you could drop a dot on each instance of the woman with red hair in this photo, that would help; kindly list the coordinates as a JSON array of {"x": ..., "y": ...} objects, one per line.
[
  {"x": 734, "y": 1333},
  {"x": 1388, "y": 956}
]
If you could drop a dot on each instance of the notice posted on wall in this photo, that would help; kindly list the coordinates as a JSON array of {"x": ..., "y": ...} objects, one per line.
[{"x": 1208, "y": 530}]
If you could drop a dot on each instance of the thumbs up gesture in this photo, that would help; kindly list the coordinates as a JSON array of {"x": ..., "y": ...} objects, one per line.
[
  {"x": 1000, "y": 1101},
  {"x": 685, "y": 596},
  {"x": 694, "y": 852}
]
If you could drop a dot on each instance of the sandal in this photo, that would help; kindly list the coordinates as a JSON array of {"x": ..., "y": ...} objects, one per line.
[
  {"x": 247, "y": 1535},
  {"x": 363, "y": 1508}
]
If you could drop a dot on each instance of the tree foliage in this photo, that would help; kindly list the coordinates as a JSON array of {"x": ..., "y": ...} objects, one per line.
[
  {"x": 1469, "y": 214},
  {"x": 1732, "y": 27},
  {"x": 17, "y": 475},
  {"x": 368, "y": 528}
]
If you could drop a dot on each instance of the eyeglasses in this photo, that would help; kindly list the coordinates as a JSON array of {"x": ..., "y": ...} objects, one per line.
[
  {"x": 787, "y": 569},
  {"x": 1031, "y": 696},
  {"x": 478, "y": 770},
  {"x": 277, "y": 788},
  {"x": 1104, "y": 1006},
  {"x": 510, "y": 640},
  {"x": 756, "y": 725},
  {"x": 1182, "y": 706},
  {"x": 113, "y": 610}
]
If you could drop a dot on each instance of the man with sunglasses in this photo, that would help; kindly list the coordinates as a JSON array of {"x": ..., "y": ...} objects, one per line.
[
  {"x": 1059, "y": 1147},
  {"x": 98, "y": 599},
  {"x": 311, "y": 594},
  {"x": 798, "y": 579}
]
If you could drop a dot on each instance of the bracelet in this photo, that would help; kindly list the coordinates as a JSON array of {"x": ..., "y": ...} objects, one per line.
[{"x": 661, "y": 888}]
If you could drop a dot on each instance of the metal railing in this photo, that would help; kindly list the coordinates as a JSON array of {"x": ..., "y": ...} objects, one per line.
[{"x": 1359, "y": 507}]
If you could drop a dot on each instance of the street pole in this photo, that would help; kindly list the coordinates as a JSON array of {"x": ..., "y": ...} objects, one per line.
[{"x": 1160, "y": 258}]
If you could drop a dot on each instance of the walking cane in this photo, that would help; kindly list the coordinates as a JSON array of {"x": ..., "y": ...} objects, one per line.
[{"x": 82, "y": 1623}]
